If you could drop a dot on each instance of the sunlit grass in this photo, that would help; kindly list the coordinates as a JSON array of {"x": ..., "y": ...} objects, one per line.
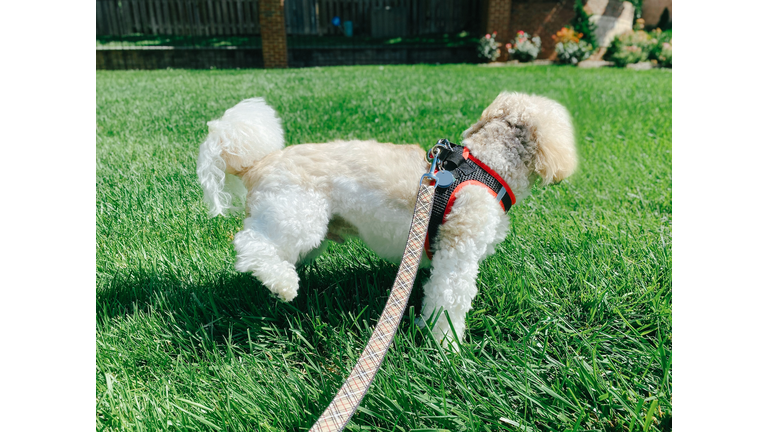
[{"x": 571, "y": 329}]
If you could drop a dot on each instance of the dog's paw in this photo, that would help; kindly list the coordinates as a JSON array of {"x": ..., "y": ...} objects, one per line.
[
  {"x": 284, "y": 284},
  {"x": 286, "y": 290},
  {"x": 287, "y": 296}
]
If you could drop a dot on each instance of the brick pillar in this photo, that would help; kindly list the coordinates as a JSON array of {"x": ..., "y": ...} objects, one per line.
[
  {"x": 273, "y": 40},
  {"x": 498, "y": 18}
]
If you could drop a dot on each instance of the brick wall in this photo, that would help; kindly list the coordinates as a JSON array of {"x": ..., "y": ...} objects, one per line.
[
  {"x": 273, "y": 39},
  {"x": 497, "y": 19},
  {"x": 541, "y": 18}
]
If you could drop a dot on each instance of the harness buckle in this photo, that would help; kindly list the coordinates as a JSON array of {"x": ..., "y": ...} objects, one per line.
[
  {"x": 438, "y": 149},
  {"x": 435, "y": 156}
]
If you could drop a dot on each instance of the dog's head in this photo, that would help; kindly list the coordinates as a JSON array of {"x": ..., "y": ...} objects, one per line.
[{"x": 523, "y": 136}]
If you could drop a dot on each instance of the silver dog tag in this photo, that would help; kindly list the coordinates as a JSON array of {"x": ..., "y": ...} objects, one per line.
[{"x": 444, "y": 179}]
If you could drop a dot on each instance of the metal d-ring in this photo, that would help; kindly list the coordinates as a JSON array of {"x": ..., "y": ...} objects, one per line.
[
  {"x": 431, "y": 156},
  {"x": 441, "y": 143}
]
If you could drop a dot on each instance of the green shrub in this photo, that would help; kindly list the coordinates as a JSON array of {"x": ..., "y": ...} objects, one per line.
[
  {"x": 665, "y": 22},
  {"x": 582, "y": 24},
  {"x": 665, "y": 56},
  {"x": 661, "y": 47},
  {"x": 638, "y": 4},
  {"x": 630, "y": 47},
  {"x": 573, "y": 52}
]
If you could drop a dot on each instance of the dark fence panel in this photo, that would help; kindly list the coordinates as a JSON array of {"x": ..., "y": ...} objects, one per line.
[
  {"x": 149, "y": 34},
  {"x": 301, "y": 17},
  {"x": 177, "y": 17},
  {"x": 373, "y": 18},
  {"x": 383, "y": 18},
  {"x": 382, "y": 31}
]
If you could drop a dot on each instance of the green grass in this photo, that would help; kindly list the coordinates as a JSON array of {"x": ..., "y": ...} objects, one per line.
[{"x": 571, "y": 329}]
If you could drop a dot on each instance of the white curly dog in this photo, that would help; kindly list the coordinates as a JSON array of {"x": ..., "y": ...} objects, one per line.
[{"x": 298, "y": 198}]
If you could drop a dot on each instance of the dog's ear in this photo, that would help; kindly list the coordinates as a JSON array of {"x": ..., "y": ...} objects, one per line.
[
  {"x": 556, "y": 153},
  {"x": 550, "y": 128},
  {"x": 545, "y": 125}
]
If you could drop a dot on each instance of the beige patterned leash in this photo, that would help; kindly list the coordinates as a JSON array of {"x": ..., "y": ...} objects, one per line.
[{"x": 346, "y": 401}]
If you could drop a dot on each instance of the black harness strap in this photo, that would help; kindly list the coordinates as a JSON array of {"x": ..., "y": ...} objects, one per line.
[{"x": 465, "y": 169}]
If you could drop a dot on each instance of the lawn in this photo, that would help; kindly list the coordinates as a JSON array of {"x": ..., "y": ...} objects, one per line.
[{"x": 571, "y": 328}]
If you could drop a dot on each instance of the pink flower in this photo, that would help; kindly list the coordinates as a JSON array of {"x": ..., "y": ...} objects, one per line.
[
  {"x": 509, "y": 46},
  {"x": 521, "y": 32},
  {"x": 487, "y": 36}
]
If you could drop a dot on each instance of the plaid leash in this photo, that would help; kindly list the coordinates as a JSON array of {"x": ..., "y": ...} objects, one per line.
[{"x": 346, "y": 401}]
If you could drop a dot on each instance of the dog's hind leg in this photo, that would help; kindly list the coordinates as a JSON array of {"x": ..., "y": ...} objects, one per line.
[{"x": 283, "y": 227}]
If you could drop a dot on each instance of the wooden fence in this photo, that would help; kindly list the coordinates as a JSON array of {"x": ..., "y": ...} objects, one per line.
[
  {"x": 389, "y": 18},
  {"x": 177, "y": 17},
  {"x": 378, "y": 18}
]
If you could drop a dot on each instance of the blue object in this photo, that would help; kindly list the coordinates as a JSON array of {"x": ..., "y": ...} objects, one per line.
[
  {"x": 336, "y": 21},
  {"x": 444, "y": 179}
]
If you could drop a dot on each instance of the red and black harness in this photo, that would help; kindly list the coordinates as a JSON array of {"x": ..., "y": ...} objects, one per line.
[{"x": 466, "y": 170}]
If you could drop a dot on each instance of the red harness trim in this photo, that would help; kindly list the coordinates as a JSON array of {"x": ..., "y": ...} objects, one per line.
[
  {"x": 449, "y": 206},
  {"x": 468, "y": 155}
]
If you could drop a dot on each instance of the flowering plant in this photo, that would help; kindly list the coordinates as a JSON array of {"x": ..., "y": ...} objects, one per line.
[
  {"x": 567, "y": 34},
  {"x": 488, "y": 48},
  {"x": 630, "y": 47},
  {"x": 525, "y": 48},
  {"x": 665, "y": 55},
  {"x": 661, "y": 47},
  {"x": 569, "y": 46}
]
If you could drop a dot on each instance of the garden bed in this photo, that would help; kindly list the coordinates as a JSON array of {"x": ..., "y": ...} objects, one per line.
[
  {"x": 254, "y": 42},
  {"x": 196, "y": 52},
  {"x": 229, "y": 57}
]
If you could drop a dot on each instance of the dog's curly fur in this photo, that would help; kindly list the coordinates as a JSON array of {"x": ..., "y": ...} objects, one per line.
[{"x": 298, "y": 198}]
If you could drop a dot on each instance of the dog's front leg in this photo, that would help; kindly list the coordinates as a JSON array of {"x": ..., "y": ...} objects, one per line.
[{"x": 473, "y": 227}]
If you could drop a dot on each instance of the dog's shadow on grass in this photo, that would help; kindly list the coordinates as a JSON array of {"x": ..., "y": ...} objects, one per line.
[{"x": 233, "y": 307}]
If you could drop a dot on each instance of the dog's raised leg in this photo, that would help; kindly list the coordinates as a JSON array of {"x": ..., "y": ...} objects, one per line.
[
  {"x": 474, "y": 226},
  {"x": 284, "y": 225}
]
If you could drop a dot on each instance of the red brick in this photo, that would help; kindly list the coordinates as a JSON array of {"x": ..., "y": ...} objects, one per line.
[
  {"x": 498, "y": 20},
  {"x": 273, "y": 37}
]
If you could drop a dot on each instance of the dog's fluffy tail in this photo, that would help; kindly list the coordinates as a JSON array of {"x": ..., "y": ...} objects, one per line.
[{"x": 244, "y": 135}]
